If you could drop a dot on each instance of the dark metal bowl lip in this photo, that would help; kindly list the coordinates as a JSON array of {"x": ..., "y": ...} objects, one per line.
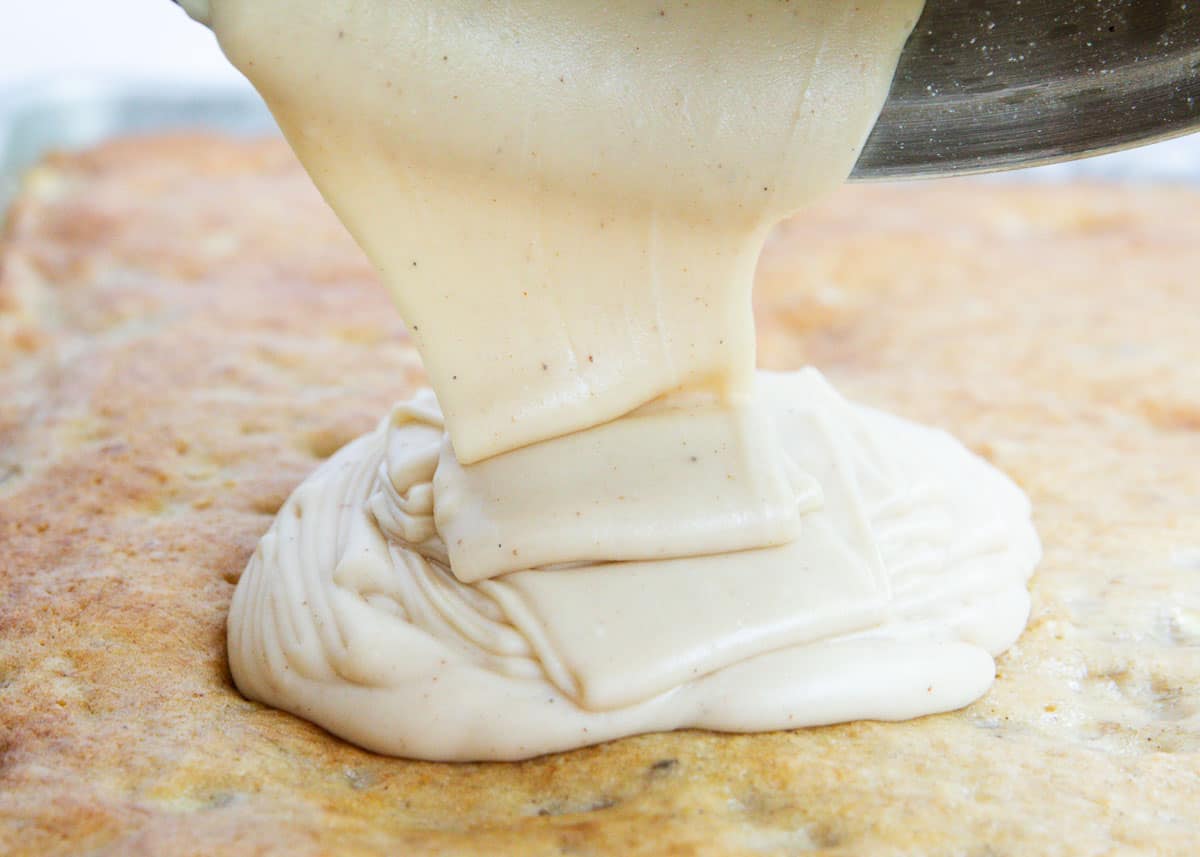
[{"x": 977, "y": 90}]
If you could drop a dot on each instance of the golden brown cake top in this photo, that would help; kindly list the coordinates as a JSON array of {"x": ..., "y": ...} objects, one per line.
[{"x": 179, "y": 319}]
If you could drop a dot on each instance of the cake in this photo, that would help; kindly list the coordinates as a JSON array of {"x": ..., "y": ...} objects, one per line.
[{"x": 186, "y": 332}]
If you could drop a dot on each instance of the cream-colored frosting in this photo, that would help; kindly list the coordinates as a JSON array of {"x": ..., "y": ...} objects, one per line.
[
  {"x": 605, "y": 522},
  {"x": 568, "y": 200},
  {"x": 907, "y": 575},
  {"x": 599, "y": 494}
]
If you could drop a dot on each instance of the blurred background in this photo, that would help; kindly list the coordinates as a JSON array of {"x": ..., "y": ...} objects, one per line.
[
  {"x": 60, "y": 58},
  {"x": 40, "y": 39}
]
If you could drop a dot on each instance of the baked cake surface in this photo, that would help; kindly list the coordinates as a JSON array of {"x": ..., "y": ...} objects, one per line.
[{"x": 185, "y": 331}]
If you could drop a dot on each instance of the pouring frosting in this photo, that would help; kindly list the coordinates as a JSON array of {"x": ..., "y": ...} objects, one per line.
[{"x": 605, "y": 522}]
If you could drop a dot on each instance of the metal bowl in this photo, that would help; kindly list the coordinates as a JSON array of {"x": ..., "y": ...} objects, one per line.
[{"x": 986, "y": 85}]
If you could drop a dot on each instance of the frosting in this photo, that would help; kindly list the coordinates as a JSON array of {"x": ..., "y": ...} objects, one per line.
[
  {"x": 567, "y": 200},
  {"x": 606, "y": 522},
  {"x": 621, "y": 499},
  {"x": 907, "y": 574}
]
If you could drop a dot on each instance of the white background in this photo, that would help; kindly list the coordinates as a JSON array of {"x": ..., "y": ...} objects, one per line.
[{"x": 45, "y": 39}]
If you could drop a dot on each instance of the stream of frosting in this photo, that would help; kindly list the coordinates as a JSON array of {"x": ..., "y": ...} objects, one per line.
[
  {"x": 606, "y": 522},
  {"x": 907, "y": 574}
]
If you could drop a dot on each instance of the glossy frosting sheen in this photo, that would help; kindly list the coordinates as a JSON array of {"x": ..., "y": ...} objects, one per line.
[{"x": 606, "y": 522}]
